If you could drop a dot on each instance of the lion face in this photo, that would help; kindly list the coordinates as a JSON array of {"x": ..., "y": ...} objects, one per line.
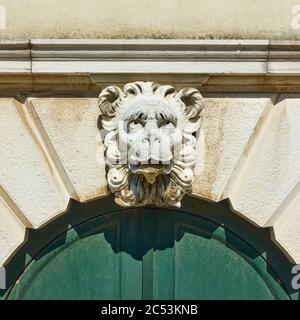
[
  {"x": 152, "y": 132},
  {"x": 150, "y": 144}
]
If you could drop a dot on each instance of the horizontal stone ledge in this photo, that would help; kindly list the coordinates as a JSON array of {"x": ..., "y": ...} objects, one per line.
[
  {"x": 89, "y": 85},
  {"x": 232, "y": 57}
]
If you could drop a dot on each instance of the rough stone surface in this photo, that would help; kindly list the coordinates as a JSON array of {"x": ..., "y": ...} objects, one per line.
[
  {"x": 273, "y": 168},
  {"x": 286, "y": 230},
  {"x": 71, "y": 127},
  {"x": 12, "y": 232},
  {"x": 236, "y": 19},
  {"x": 227, "y": 125},
  {"x": 25, "y": 171}
]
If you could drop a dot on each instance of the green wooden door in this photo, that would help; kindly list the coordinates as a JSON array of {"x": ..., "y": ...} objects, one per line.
[{"x": 148, "y": 254}]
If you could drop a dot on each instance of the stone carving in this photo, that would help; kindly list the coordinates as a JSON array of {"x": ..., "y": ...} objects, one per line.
[{"x": 150, "y": 142}]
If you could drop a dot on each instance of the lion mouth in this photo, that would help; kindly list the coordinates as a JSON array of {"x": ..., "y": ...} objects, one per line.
[{"x": 150, "y": 171}]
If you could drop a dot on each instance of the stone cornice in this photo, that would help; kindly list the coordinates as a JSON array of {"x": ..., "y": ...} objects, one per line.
[
  {"x": 215, "y": 65},
  {"x": 47, "y": 56}
]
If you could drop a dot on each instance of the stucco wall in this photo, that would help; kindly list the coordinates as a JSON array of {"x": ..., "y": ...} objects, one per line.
[{"x": 270, "y": 19}]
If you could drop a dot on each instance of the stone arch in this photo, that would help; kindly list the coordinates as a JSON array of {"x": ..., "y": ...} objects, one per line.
[
  {"x": 248, "y": 153},
  {"x": 41, "y": 241}
]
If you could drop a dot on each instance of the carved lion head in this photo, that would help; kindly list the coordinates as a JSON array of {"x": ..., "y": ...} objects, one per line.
[{"x": 150, "y": 146}]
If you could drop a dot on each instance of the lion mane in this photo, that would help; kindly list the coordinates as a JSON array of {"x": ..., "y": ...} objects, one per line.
[{"x": 132, "y": 189}]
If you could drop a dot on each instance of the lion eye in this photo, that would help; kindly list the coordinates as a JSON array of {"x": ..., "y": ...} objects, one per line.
[
  {"x": 135, "y": 125},
  {"x": 165, "y": 123}
]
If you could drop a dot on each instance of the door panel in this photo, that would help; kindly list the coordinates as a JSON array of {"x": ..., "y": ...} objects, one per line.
[
  {"x": 148, "y": 254},
  {"x": 217, "y": 270}
]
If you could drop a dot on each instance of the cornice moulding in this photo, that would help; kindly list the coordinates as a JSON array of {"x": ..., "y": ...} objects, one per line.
[
  {"x": 215, "y": 65},
  {"x": 174, "y": 56}
]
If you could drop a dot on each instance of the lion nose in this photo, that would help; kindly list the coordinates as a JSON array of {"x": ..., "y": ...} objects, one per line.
[{"x": 151, "y": 139}]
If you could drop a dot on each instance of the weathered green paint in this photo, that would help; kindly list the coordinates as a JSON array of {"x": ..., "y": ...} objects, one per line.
[{"x": 148, "y": 254}]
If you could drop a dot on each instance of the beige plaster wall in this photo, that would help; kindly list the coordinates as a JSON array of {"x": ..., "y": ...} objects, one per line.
[{"x": 270, "y": 19}]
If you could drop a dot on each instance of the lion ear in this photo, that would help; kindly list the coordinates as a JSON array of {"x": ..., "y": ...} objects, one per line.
[
  {"x": 108, "y": 100},
  {"x": 193, "y": 104}
]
